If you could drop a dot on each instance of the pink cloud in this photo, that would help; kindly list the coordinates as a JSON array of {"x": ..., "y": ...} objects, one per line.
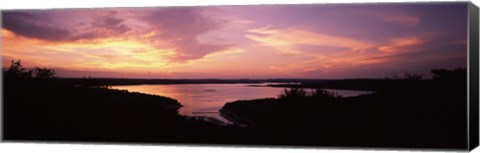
[
  {"x": 181, "y": 27},
  {"x": 400, "y": 44},
  {"x": 289, "y": 39}
]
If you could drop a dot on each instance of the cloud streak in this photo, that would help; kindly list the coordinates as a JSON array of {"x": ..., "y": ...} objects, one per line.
[
  {"x": 400, "y": 44},
  {"x": 287, "y": 39}
]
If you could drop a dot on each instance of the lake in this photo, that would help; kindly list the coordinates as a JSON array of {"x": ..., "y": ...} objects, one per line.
[{"x": 204, "y": 100}]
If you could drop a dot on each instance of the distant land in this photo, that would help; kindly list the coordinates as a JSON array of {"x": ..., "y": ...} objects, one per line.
[{"x": 125, "y": 81}]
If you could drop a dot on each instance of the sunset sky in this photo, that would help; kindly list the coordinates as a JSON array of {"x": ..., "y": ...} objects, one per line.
[{"x": 263, "y": 41}]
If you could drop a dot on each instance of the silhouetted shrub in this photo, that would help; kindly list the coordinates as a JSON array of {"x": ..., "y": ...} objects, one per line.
[
  {"x": 292, "y": 93},
  {"x": 322, "y": 93},
  {"x": 443, "y": 74},
  {"x": 412, "y": 76}
]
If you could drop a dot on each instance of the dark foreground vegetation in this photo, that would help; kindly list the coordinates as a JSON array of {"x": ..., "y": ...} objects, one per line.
[
  {"x": 410, "y": 113},
  {"x": 49, "y": 109}
]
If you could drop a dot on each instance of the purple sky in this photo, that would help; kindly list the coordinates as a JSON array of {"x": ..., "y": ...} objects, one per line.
[{"x": 262, "y": 41}]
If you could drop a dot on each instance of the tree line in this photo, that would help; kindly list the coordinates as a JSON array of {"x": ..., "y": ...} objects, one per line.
[{"x": 17, "y": 71}]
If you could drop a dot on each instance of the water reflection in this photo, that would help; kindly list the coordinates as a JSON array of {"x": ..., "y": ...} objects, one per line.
[{"x": 204, "y": 100}]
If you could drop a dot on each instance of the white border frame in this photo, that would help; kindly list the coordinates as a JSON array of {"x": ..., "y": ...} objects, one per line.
[{"x": 81, "y": 148}]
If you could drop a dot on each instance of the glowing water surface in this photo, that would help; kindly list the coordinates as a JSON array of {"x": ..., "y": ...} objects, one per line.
[{"x": 204, "y": 100}]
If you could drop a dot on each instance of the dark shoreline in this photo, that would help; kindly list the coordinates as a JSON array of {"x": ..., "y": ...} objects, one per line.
[
  {"x": 403, "y": 113},
  {"x": 413, "y": 113}
]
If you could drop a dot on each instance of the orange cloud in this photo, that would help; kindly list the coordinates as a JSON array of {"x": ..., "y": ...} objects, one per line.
[
  {"x": 120, "y": 54},
  {"x": 132, "y": 54},
  {"x": 400, "y": 44},
  {"x": 7, "y": 34}
]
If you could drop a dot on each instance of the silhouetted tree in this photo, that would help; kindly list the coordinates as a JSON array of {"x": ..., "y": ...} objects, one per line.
[
  {"x": 443, "y": 74},
  {"x": 412, "y": 76},
  {"x": 17, "y": 71},
  {"x": 405, "y": 76},
  {"x": 43, "y": 73}
]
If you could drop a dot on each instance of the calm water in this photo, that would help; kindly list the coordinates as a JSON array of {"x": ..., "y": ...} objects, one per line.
[{"x": 204, "y": 100}]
